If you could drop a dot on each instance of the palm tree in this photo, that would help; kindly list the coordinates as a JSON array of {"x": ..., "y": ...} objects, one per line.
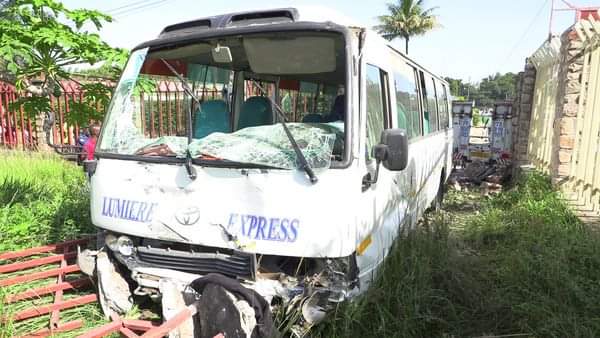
[{"x": 406, "y": 18}]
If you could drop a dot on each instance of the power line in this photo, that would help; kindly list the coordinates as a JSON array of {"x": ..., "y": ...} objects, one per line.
[
  {"x": 139, "y": 11},
  {"x": 116, "y": 9},
  {"x": 535, "y": 18},
  {"x": 145, "y": 5}
]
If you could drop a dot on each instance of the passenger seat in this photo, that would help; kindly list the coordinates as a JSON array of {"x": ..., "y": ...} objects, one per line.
[
  {"x": 213, "y": 117},
  {"x": 255, "y": 111}
]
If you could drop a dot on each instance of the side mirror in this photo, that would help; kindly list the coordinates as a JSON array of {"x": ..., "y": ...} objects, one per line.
[{"x": 392, "y": 151}]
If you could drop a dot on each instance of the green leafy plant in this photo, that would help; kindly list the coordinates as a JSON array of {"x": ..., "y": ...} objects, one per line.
[
  {"x": 39, "y": 40},
  {"x": 92, "y": 105}
]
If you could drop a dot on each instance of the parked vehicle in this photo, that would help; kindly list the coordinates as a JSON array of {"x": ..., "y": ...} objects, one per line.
[{"x": 295, "y": 201}]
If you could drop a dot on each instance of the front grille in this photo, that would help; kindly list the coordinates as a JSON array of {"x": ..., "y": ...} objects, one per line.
[{"x": 236, "y": 265}]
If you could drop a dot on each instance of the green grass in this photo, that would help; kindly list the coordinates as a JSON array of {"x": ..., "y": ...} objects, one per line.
[
  {"x": 518, "y": 264},
  {"x": 43, "y": 199}
]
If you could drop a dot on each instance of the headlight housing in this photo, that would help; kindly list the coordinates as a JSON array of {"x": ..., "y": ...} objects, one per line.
[
  {"x": 125, "y": 246},
  {"x": 111, "y": 242}
]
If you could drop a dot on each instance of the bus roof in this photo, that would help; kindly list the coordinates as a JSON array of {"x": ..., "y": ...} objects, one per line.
[{"x": 255, "y": 19}]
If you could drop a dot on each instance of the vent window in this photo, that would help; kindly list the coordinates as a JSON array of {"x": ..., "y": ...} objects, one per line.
[
  {"x": 186, "y": 27},
  {"x": 262, "y": 17}
]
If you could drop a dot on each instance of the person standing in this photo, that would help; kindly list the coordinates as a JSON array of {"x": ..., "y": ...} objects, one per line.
[{"x": 90, "y": 145}]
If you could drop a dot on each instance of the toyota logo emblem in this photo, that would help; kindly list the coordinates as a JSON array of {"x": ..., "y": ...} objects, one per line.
[{"x": 188, "y": 216}]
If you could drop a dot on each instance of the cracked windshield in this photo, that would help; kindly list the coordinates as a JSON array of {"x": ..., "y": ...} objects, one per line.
[{"x": 218, "y": 100}]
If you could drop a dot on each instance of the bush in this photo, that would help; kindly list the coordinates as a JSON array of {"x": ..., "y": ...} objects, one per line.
[{"x": 43, "y": 199}]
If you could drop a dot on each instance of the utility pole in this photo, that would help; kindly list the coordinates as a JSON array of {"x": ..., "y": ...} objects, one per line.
[
  {"x": 569, "y": 8},
  {"x": 551, "y": 18}
]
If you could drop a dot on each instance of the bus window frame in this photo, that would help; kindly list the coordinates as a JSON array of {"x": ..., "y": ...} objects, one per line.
[
  {"x": 385, "y": 105},
  {"x": 437, "y": 107},
  {"x": 409, "y": 74},
  {"x": 446, "y": 105}
]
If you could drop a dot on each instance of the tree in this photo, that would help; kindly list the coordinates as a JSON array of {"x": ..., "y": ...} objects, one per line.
[
  {"x": 39, "y": 40},
  {"x": 457, "y": 87},
  {"x": 490, "y": 90},
  {"x": 406, "y": 19},
  {"x": 496, "y": 88}
]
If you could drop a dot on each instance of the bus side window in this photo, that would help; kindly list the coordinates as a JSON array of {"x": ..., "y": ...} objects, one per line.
[
  {"x": 424, "y": 90},
  {"x": 377, "y": 110},
  {"x": 443, "y": 105},
  {"x": 432, "y": 94},
  {"x": 407, "y": 101},
  {"x": 430, "y": 121}
]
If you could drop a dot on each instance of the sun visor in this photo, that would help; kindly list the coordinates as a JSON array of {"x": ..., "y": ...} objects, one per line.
[
  {"x": 289, "y": 84},
  {"x": 177, "y": 58},
  {"x": 301, "y": 55},
  {"x": 182, "y": 52},
  {"x": 158, "y": 67}
]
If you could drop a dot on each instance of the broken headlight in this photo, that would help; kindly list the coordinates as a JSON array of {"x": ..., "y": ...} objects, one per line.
[
  {"x": 111, "y": 242},
  {"x": 125, "y": 246}
]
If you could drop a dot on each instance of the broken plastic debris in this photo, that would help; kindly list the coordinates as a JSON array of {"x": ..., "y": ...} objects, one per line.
[
  {"x": 86, "y": 260},
  {"x": 173, "y": 301},
  {"x": 113, "y": 290}
]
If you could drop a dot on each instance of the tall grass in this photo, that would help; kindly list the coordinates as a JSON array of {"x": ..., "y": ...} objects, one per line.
[
  {"x": 518, "y": 264},
  {"x": 43, "y": 199}
]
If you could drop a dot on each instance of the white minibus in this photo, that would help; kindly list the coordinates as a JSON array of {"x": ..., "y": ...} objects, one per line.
[{"x": 275, "y": 148}]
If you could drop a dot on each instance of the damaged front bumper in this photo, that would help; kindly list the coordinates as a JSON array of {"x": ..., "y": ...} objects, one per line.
[{"x": 300, "y": 291}]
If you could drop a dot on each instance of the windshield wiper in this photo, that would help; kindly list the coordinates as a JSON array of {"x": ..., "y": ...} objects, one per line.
[
  {"x": 303, "y": 162},
  {"x": 192, "y": 174},
  {"x": 235, "y": 164}
]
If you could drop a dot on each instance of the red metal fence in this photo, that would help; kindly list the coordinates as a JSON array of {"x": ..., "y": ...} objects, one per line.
[
  {"x": 162, "y": 112},
  {"x": 19, "y": 131},
  {"x": 15, "y": 128},
  {"x": 63, "y": 132}
]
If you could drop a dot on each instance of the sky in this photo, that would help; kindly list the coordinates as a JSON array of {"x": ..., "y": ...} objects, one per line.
[{"x": 476, "y": 38}]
